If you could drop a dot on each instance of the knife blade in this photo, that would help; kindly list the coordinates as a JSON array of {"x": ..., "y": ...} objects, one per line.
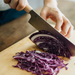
[{"x": 40, "y": 24}]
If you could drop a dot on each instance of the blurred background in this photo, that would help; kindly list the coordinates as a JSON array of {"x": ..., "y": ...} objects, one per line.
[
  {"x": 12, "y": 32},
  {"x": 36, "y": 3}
]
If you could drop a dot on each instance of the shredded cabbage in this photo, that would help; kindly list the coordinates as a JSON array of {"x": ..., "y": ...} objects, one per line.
[{"x": 39, "y": 63}]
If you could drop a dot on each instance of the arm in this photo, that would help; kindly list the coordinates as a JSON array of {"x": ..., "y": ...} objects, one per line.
[{"x": 50, "y": 10}]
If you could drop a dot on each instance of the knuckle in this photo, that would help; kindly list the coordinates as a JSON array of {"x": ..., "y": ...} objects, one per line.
[
  {"x": 68, "y": 22},
  {"x": 42, "y": 13},
  {"x": 61, "y": 20},
  {"x": 17, "y": 9},
  {"x": 69, "y": 35},
  {"x": 21, "y": 5},
  {"x": 13, "y": 7},
  {"x": 56, "y": 11},
  {"x": 65, "y": 32},
  {"x": 6, "y": 1}
]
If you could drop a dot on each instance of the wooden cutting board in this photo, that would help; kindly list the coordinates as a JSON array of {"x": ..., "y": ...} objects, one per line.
[{"x": 6, "y": 58}]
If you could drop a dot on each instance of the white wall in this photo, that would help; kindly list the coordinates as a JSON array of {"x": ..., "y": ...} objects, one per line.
[{"x": 36, "y": 3}]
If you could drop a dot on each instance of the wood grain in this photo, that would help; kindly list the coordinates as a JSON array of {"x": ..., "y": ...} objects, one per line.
[
  {"x": 6, "y": 58},
  {"x": 15, "y": 31}
]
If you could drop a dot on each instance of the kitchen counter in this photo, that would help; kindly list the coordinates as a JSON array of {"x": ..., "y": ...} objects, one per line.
[
  {"x": 7, "y": 60},
  {"x": 16, "y": 30}
]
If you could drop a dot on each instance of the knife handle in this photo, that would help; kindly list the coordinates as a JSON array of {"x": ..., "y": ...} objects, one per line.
[{"x": 28, "y": 8}]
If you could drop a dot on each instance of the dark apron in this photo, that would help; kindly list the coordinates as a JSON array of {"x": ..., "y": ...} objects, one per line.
[{"x": 9, "y": 15}]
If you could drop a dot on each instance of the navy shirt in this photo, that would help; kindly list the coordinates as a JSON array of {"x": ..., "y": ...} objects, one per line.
[{"x": 9, "y": 15}]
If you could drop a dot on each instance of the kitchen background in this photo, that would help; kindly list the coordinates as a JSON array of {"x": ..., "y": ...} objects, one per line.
[
  {"x": 38, "y": 3},
  {"x": 18, "y": 29}
]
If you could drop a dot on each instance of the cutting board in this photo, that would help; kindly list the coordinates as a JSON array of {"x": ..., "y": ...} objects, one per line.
[{"x": 6, "y": 58}]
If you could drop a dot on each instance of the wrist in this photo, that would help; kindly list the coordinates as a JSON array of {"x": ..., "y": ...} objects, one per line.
[{"x": 50, "y": 3}]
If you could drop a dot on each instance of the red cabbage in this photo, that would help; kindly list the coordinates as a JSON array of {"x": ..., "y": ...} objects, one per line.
[
  {"x": 39, "y": 63},
  {"x": 50, "y": 43}
]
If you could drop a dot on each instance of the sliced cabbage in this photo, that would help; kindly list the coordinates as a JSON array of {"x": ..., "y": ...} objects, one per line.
[
  {"x": 39, "y": 63},
  {"x": 50, "y": 43}
]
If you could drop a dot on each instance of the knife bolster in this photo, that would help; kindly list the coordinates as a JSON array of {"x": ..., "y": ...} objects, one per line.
[{"x": 28, "y": 8}]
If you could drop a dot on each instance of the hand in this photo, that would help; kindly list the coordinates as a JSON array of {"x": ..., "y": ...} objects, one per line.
[
  {"x": 62, "y": 23},
  {"x": 16, "y": 4}
]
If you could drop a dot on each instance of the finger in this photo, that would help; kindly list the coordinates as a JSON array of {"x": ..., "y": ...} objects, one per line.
[
  {"x": 59, "y": 22},
  {"x": 43, "y": 14},
  {"x": 66, "y": 25},
  {"x": 7, "y": 1},
  {"x": 65, "y": 28},
  {"x": 21, "y": 5},
  {"x": 68, "y": 35},
  {"x": 13, "y": 4}
]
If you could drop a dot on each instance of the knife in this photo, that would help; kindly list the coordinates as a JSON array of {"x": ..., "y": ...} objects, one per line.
[{"x": 40, "y": 24}]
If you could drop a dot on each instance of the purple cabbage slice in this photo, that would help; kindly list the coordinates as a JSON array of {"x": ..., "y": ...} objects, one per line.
[
  {"x": 50, "y": 43},
  {"x": 39, "y": 63}
]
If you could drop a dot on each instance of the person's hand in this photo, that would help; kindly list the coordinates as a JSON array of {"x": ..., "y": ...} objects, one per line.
[
  {"x": 62, "y": 23},
  {"x": 16, "y": 4}
]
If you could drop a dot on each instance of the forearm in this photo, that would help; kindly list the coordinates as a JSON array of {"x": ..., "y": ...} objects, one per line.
[{"x": 50, "y": 2}]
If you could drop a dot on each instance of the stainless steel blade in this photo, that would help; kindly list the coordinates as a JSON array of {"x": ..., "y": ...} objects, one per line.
[{"x": 40, "y": 24}]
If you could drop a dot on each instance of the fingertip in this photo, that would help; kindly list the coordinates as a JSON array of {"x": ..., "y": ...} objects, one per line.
[
  {"x": 68, "y": 35},
  {"x": 20, "y": 7},
  {"x": 63, "y": 33},
  {"x": 57, "y": 28}
]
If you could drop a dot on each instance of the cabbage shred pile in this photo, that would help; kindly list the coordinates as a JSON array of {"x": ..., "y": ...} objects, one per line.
[{"x": 39, "y": 63}]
